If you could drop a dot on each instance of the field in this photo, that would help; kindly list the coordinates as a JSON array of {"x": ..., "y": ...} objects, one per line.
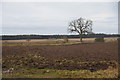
[{"x": 57, "y": 59}]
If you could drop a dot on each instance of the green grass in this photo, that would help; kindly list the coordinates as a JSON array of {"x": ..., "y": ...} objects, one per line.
[{"x": 52, "y": 73}]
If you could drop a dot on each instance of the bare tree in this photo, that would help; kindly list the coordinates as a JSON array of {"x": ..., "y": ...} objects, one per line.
[{"x": 80, "y": 26}]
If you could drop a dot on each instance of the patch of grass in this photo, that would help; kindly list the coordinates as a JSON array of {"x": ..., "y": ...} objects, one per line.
[{"x": 52, "y": 73}]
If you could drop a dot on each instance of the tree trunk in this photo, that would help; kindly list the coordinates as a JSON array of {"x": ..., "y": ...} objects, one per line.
[{"x": 80, "y": 37}]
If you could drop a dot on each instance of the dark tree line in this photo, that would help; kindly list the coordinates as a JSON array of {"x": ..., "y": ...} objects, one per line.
[{"x": 19, "y": 37}]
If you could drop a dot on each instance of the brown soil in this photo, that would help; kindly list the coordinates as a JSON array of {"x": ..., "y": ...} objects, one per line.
[
  {"x": 81, "y": 52},
  {"x": 77, "y": 52}
]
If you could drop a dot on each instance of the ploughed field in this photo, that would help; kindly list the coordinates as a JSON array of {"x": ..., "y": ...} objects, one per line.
[
  {"x": 79, "y": 52},
  {"x": 81, "y": 56}
]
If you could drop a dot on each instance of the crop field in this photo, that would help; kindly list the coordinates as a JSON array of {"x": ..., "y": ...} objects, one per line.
[{"x": 57, "y": 59}]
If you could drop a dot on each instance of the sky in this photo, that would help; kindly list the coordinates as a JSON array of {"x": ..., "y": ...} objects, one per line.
[{"x": 54, "y": 17}]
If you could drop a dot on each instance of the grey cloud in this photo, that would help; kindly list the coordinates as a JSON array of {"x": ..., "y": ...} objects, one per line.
[{"x": 49, "y": 18}]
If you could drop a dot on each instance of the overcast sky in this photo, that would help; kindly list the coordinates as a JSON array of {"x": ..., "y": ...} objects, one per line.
[{"x": 53, "y": 18}]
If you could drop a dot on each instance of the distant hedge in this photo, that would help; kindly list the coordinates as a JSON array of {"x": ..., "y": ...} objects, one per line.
[
  {"x": 99, "y": 39},
  {"x": 20, "y": 37}
]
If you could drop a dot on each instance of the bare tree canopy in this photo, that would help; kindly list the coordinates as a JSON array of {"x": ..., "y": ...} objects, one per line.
[{"x": 81, "y": 26}]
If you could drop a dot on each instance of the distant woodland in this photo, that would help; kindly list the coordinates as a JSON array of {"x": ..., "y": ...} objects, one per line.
[{"x": 20, "y": 37}]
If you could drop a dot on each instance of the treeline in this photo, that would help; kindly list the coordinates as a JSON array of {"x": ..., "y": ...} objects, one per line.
[{"x": 20, "y": 37}]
